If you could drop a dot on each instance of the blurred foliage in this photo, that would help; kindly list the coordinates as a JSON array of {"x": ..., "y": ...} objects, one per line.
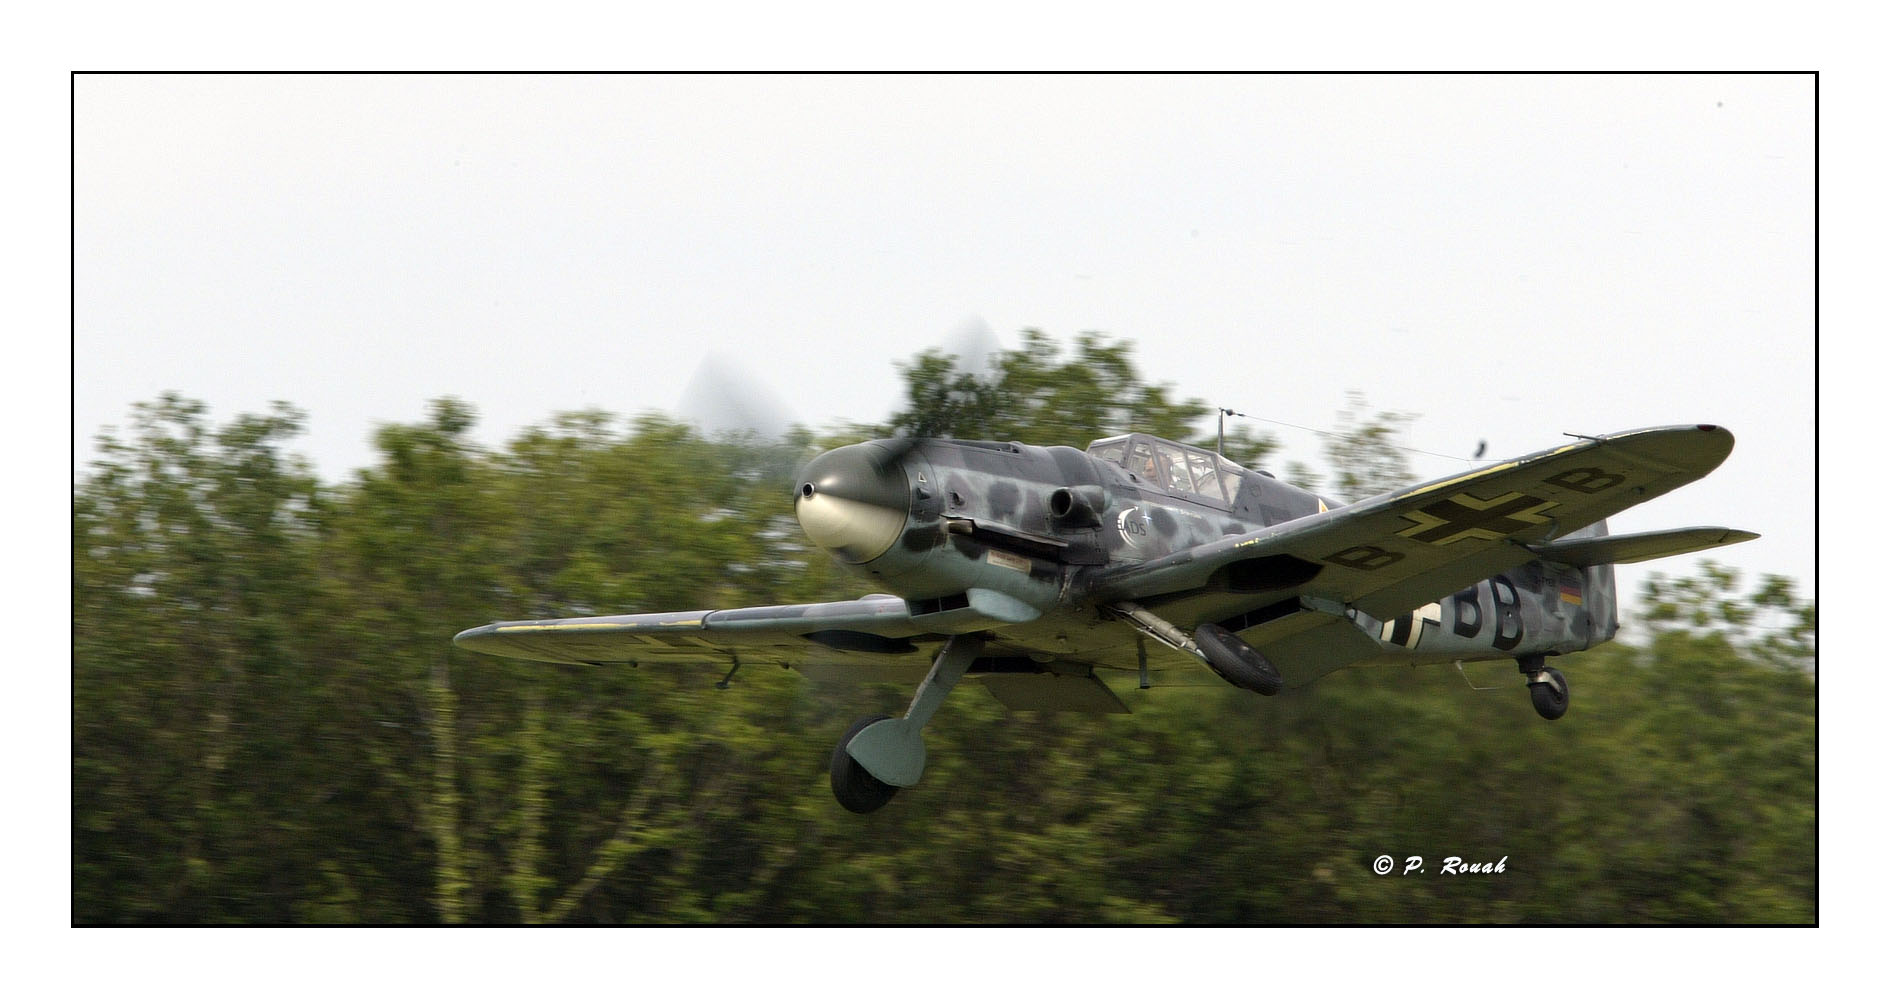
[
  {"x": 1035, "y": 393},
  {"x": 1364, "y": 452},
  {"x": 1772, "y": 623},
  {"x": 270, "y": 723}
]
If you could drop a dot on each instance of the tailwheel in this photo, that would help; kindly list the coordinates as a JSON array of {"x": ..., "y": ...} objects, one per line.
[
  {"x": 857, "y": 790},
  {"x": 1548, "y": 688}
]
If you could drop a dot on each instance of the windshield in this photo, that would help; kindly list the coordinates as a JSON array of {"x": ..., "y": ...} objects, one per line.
[
  {"x": 1187, "y": 471},
  {"x": 1109, "y": 449}
]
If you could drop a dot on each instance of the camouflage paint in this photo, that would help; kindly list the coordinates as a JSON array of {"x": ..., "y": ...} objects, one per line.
[{"x": 1001, "y": 498}]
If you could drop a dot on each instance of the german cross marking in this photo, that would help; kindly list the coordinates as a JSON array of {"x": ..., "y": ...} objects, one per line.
[{"x": 1463, "y": 516}]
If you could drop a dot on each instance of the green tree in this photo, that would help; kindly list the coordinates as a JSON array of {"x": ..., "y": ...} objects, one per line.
[
  {"x": 271, "y": 723},
  {"x": 547, "y": 790},
  {"x": 193, "y": 578},
  {"x": 1364, "y": 453},
  {"x": 1772, "y": 622}
]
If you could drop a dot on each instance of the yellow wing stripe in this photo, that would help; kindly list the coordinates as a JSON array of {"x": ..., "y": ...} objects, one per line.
[{"x": 1491, "y": 470}]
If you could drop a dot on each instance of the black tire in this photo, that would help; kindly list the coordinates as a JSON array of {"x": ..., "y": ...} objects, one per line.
[
  {"x": 858, "y": 791},
  {"x": 1237, "y": 662},
  {"x": 1550, "y": 699}
]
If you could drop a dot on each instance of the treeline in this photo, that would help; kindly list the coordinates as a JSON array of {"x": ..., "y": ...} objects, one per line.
[{"x": 271, "y": 725}]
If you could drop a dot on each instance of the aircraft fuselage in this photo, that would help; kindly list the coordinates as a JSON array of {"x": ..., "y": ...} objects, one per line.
[{"x": 970, "y": 531}]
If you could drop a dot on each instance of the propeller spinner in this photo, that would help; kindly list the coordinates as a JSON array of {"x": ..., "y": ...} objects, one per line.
[{"x": 853, "y": 501}]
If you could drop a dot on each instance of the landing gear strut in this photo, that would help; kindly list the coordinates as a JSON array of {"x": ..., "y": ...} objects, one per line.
[
  {"x": 1548, "y": 688},
  {"x": 1230, "y": 658},
  {"x": 880, "y": 755}
]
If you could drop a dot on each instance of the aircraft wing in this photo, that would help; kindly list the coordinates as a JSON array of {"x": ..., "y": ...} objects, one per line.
[
  {"x": 869, "y": 629},
  {"x": 872, "y": 639},
  {"x": 1394, "y": 552}
]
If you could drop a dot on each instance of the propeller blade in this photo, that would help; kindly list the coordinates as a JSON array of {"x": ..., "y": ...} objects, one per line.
[
  {"x": 722, "y": 400},
  {"x": 974, "y": 349}
]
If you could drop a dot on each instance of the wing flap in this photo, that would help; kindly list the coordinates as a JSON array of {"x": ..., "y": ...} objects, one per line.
[
  {"x": 1312, "y": 652},
  {"x": 1053, "y": 692},
  {"x": 1305, "y": 638}
]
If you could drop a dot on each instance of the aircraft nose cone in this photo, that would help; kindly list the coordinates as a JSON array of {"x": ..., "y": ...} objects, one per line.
[{"x": 853, "y": 501}]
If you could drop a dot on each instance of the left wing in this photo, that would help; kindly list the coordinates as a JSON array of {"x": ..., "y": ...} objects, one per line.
[
  {"x": 1287, "y": 589},
  {"x": 1394, "y": 552}
]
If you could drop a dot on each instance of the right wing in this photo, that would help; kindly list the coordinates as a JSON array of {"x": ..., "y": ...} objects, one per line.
[
  {"x": 872, "y": 639},
  {"x": 873, "y": 630}
]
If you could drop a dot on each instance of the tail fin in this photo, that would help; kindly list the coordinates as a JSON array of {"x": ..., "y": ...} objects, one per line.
[
  {"x": 1603, "y": 619},
  {"x": 1595, "y": 553},
  {"x": 1578, "y": 549}
]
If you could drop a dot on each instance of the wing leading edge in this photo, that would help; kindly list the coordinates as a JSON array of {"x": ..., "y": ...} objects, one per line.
[{"x": 871, "y": 629}]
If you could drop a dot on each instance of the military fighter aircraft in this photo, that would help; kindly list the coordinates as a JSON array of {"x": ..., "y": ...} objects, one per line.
[{"x": 1055, "y": 576}]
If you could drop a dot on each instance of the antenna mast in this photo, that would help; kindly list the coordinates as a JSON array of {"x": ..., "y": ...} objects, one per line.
[{"x": 1220, "y": 432}]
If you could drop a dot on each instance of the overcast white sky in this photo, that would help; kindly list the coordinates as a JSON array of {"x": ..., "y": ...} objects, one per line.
[{"x": 1510, "y": 257}]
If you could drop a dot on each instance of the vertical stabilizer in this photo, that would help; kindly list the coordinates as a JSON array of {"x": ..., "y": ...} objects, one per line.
[{"x": 1598, "y": 600}]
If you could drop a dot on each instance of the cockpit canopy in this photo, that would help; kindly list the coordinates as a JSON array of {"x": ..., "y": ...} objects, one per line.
[{"x": 1185, "y": 471}]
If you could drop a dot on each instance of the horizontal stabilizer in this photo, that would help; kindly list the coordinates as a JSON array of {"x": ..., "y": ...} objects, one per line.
[{"x": 1623, "y": 548}]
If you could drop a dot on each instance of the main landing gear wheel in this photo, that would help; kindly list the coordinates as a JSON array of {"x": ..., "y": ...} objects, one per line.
[
  {"x": 1548, "y": 688},
  {"x": 857, "y": 790},
  {"x": 880, "y": 755},
  {"x": 1237, "y": 662}
]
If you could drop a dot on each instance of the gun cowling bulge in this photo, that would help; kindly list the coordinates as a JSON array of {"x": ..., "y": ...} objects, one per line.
[{"x": 1077, "y": 507}]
